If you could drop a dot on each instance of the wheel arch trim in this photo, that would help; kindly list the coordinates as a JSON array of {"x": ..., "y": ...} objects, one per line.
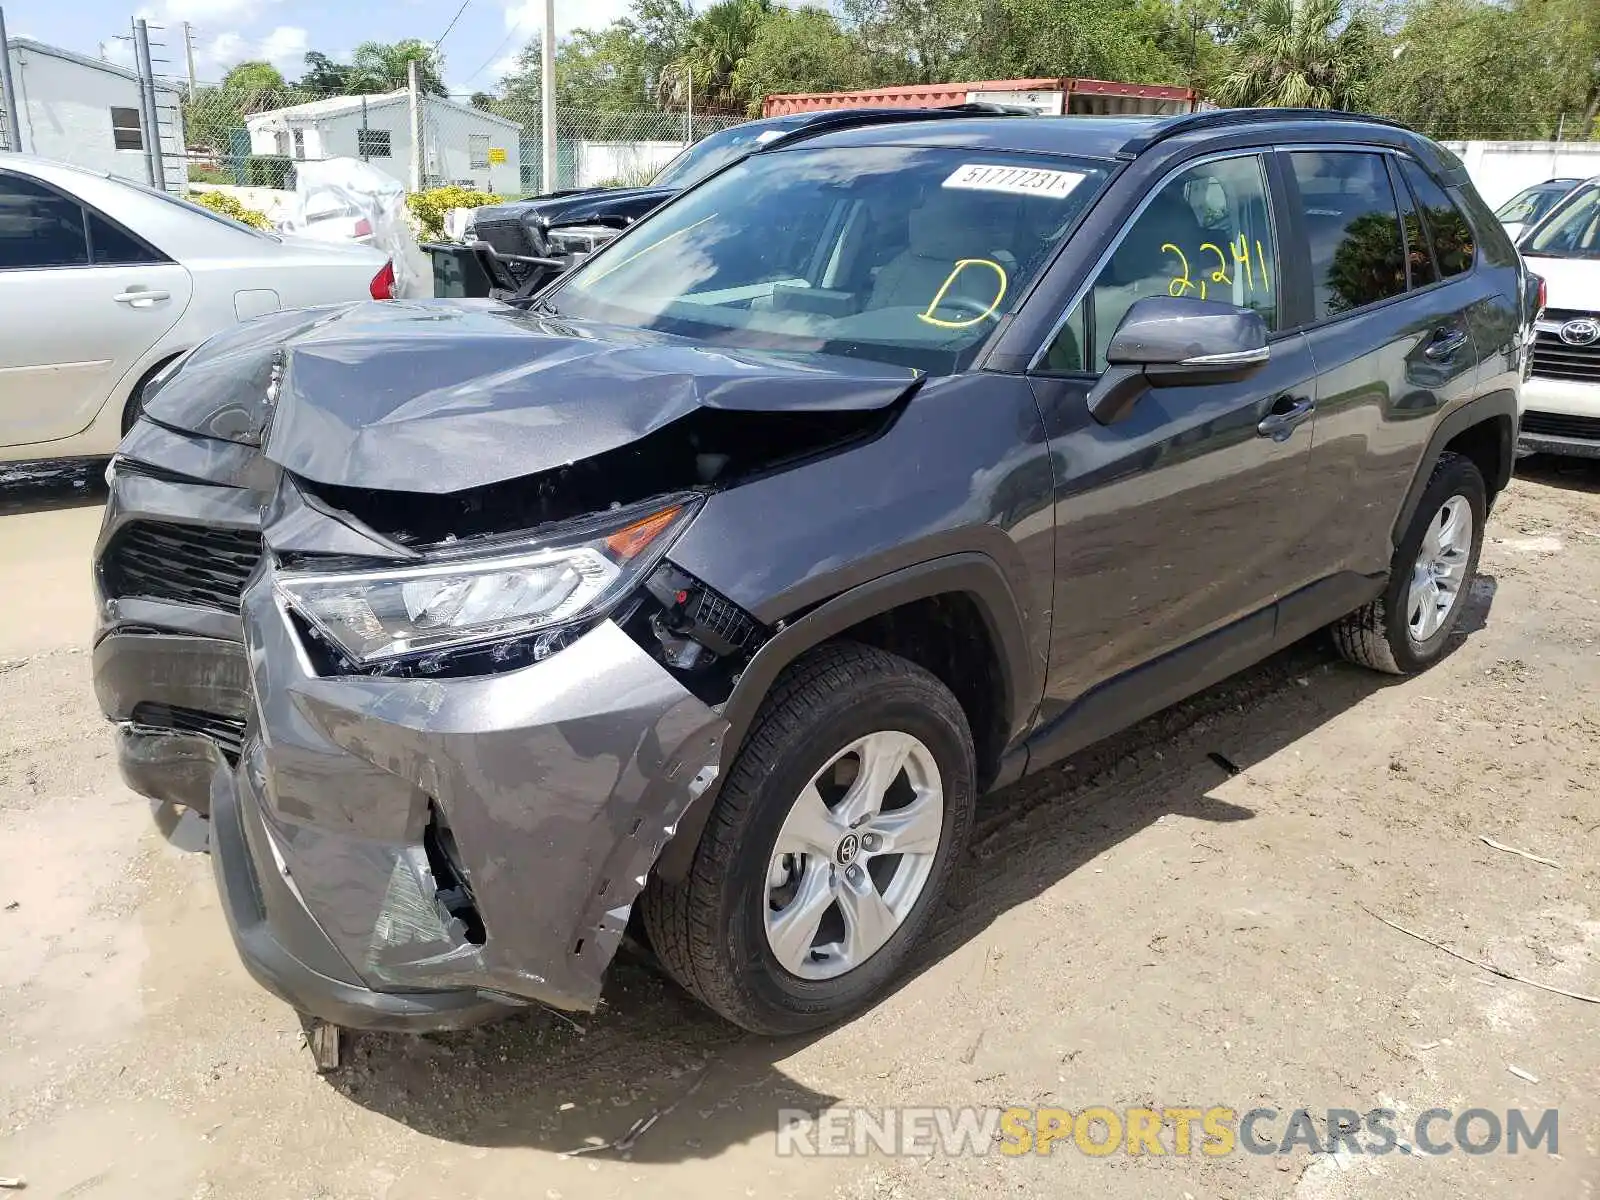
[{"x": 1483, "y": 410}]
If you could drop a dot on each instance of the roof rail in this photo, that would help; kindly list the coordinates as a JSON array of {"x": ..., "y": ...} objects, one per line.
[
  {"x": 1218, "y": 118},
  {"x": 851, "y": 118}
]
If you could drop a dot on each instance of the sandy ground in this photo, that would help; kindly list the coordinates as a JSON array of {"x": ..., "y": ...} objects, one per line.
[{"x": 1141, "y": 927}]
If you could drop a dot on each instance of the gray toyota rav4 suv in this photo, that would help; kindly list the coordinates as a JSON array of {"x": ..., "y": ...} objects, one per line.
[{"x": 702, "y": 597}]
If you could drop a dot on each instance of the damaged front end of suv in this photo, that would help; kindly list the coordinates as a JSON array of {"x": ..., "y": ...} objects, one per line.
[
  {"x": 483, "y": 632},
  {"x": 414, "y": 640}
]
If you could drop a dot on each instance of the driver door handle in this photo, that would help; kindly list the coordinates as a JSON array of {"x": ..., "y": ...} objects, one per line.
[
  {"x": 140, "y": 298},
  {"x": 1443, "y": 345},
  {"x": 1287, "y": 413}
]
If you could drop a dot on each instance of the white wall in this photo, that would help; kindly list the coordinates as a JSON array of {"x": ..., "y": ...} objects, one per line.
[
  {"x": 1500, "y": 170},
  {"x": 601, "y": 162},
  {"x": 446, "y": 128},
  {"x": 64, "y": 109},
  {"x": 337, "y": 136}
]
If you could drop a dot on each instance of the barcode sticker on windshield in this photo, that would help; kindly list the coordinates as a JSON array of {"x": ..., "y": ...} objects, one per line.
[{"x": 1021, "y": 181}]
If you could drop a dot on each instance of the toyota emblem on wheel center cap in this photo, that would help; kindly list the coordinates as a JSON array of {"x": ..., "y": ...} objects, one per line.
[
  {"x": 848, "y": 847},
  {"x": 1580, "y": 332}
]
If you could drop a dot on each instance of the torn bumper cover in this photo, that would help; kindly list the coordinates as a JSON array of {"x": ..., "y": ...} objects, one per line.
[
  {"x": 410, "y": 837},
  {"x": 419, "y": 853}
]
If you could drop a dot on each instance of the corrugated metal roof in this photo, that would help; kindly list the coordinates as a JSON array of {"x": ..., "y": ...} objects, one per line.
[{"x": 935, "y": 95}]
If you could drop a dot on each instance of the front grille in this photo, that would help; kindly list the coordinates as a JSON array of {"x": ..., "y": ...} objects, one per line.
[
  {"x": 227, "y": 732},
  {"x": 1561, "y": 425},
  {"x": 191, "y": 564},
  {"x": 1554, "y": 359},
  {"x": 507, "y": 237}
]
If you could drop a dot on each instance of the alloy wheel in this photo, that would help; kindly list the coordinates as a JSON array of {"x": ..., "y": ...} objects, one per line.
[
  {"x": 854, "y": 855},
  {"x": 1441, "y": 569}
]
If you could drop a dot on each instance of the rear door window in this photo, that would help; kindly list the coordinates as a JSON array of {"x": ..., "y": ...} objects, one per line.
[
  {"x": 1358, "y": 256},
  {"x": 1207, "y": 234},
  {"x": 1419, "y": 254},
  {"x": 39, "y": 227},
  {"x": 1453, "y": 242}
]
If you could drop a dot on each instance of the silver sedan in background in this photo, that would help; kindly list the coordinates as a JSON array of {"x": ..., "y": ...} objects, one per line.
[{"x": 103, "y": 283}]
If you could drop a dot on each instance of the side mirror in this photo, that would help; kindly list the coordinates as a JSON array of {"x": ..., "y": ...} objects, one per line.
[{"x": 1164, "y": 341}]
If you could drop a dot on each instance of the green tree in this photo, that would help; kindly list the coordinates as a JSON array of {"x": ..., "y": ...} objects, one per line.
[
  {"x": 1471, "y": 68},
  {"x": 383, "y": 66},
  {"x": 1103, "y": 39},
  {"x": 1302, "y": 53},
  {"x": 916, "y": 41},
  {"x": 720, "y": 38},
  {"x": 323, "y": 74},
  {"x": 253, "y": 78},
  {"x": 213, "y": 113},
  {"x": 800, "y": 50}
]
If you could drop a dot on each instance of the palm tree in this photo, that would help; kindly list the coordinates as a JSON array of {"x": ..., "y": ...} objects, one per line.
[
  {"x": 383, "y": 67},
  {"x": 1301, "y": 54},
  {"x": 719, "y": 39}
]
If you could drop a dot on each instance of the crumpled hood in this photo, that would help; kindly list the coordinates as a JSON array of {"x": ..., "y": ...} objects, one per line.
[
  {"x": 576, "y": 207},
  {"x": 437, "y": 396}
]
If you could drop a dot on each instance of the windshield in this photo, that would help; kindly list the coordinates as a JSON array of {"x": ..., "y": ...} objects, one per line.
[
  {"x": 1571, "y": 231},
  {"x": 893, "y": 253},
  {"x": 712, "y": 153},
  {"x": 1529, "y": 205}
]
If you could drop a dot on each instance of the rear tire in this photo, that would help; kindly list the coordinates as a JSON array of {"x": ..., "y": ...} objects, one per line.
[
  {"x": 1406, "y": 629},
  {"x": 134, "y": 408},
  {"x": 727, "y": 931}
]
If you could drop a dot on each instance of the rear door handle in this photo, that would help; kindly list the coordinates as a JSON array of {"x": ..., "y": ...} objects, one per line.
[
  {"x": 1443, "y": 345},
  {"x": 1287, "y": 412},
  {"x": 140, "y": 298}
]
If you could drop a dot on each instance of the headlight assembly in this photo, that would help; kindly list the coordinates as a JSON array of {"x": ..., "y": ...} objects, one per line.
[{"x": 470, "y": 599}]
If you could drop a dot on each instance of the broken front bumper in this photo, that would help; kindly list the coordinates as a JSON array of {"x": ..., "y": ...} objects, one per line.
[{"x": 417, "y": 852}]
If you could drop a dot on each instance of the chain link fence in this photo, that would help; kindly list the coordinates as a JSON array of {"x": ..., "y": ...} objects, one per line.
[{"x": 254, "y": 139}]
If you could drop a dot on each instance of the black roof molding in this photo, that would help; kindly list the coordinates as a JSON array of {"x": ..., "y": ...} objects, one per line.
[{"x": 1223, "y": 118}]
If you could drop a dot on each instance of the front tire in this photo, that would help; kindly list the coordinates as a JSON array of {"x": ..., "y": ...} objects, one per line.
[
  {"x": 828, "y": 848},
  {"x": 1405, "y": 630}
]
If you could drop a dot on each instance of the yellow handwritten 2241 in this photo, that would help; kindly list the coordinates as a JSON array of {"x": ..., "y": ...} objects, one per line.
[{"x": 1240, "y": 250}]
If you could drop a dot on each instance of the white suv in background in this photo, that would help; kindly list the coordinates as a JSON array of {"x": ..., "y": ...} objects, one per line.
[{"x": 1562, "y": 395}]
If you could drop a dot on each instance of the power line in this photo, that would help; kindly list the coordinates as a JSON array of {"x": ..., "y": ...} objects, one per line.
[
  {"x": 506, "y": 41},
  {"x": 440, "y": 41}
]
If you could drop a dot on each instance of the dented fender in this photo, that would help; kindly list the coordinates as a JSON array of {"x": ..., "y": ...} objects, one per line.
[{"x": 972, "y": 574}]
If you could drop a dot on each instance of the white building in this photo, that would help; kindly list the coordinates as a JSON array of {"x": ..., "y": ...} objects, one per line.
[
  {"x": 83, "y": 111},
  {"x": 461, "y": 144}
]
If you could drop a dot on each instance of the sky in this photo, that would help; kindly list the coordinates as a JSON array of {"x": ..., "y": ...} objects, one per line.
[{"x": 479, "y": 49}]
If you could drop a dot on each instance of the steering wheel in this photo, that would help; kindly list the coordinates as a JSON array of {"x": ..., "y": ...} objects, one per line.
[{"x": 971, "y": 308}]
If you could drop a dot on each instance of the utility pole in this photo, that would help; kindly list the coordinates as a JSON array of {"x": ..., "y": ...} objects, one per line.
[
  {"x": 13, "y": 124},
  {"x": 414, "y": 86},
  {"x": 188, "y": 52},
  {"x": 547, "y": 97},
  {"x": 147, "y": 104}
]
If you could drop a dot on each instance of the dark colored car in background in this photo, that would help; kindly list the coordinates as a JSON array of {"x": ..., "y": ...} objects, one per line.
[
  {"x": 703, "y": 597},
  {"x": 524, "y": 244}
]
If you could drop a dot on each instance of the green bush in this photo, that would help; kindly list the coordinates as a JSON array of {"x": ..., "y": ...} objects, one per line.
[
  {"x": 199, "y": 174},
  {"x": 269, "y": 171},
  {"x": 229, "y": 206},
  {"x": 430, "y": 207}
]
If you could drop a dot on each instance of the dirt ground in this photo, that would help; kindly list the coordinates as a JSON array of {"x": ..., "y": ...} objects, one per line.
[{"x": 1140, "y": 927}]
